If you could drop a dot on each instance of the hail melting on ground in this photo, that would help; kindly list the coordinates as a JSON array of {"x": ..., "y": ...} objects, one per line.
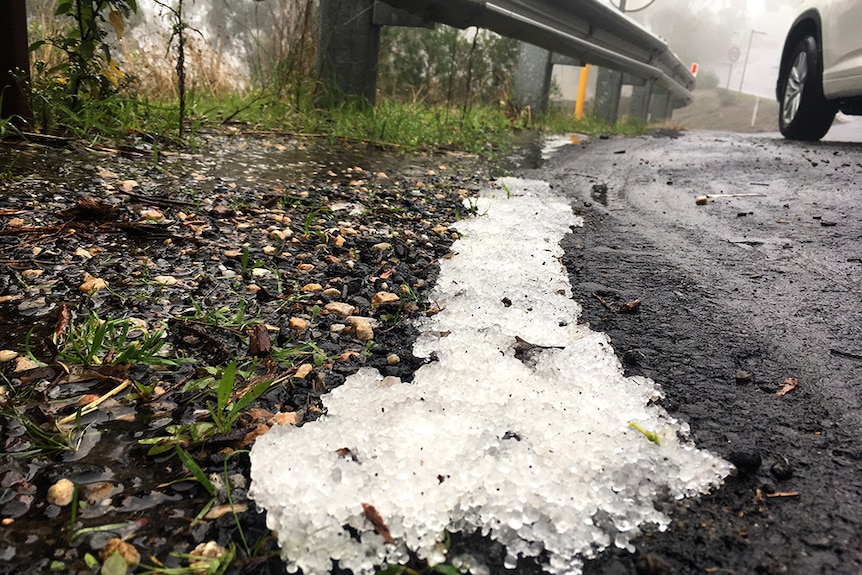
[{"x": 522, "y": 428}]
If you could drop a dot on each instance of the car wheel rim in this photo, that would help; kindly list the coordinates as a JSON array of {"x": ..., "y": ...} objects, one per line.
[{"x": 796, "y": 77}]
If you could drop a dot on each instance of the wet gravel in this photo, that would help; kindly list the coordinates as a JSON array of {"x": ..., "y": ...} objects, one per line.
[{"x": 297, "y": 262}]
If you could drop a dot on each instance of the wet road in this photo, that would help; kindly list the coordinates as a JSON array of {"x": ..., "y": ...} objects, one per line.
[{"x": 757, "y": 287}]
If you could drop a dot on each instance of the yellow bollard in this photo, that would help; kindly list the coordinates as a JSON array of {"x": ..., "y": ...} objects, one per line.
[{"x": 582, "y": 92}]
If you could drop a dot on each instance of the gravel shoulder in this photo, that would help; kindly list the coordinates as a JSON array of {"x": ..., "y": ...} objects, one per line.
[
  {"x": 739, "y": 296},
  {"x": 266, "y": 270}
]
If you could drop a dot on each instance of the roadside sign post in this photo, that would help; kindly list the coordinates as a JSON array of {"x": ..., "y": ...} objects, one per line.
[
  {"x": 732, "y": 56},
  {"x": 747, "y": 54}
]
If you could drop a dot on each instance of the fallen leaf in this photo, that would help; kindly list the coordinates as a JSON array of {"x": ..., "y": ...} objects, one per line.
[
  {"x": 87, "y": 399},
  {"x": 250, "y": 437},
  {"x": 114, "y": 564},
  {"x": 220, "y": 511},
  {"x": 376, "y": 520},
  {"x": 259, "y": 342},
  {"x": 128, "y": 185},
  {"x": 23, "y": 363},
  {"x": 92, "y": 284},
  {"x": 106, "y": 174},
  {"x": 166, "y": 280},
  {"x": 82, "y": 253},
  {"x": 286, "y": 418},
  {"x": 258, "y": 415},
  {"x": 64, "y": 317},
  {"x": 152, "y": 214},
  {"x": 97, "y": 492},
  {"x": 303, "y": 370},
  {"x": 789, "y": 385}
]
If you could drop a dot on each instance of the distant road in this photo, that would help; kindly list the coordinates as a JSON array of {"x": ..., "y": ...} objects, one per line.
[{"x": 846, "y": 129}]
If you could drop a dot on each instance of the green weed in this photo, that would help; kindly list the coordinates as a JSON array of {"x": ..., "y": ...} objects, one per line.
[
  {"x": 114, "y": 341},
  {"x": 223, "y": 414},
  {"x": 227, "y": 410},
  {"x": 558, "y": 120},
  {"x": 46, "y": 439}
]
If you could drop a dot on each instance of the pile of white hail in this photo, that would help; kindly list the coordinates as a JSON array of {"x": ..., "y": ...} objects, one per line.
[{"x": 522, "y": 429}]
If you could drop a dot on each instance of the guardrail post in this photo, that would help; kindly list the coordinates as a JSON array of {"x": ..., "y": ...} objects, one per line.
[
  {"x": 348, "y": 48},
  {"x": 14, "y": 55},
  {"x": 640, "y": 101},
  {"x": 660, "y": 104},
  {"x": 533, "y": 78},
  {"x": 608, "y": 86}
]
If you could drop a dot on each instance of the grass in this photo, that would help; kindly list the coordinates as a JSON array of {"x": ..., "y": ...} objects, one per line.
[
  {"x": 114, "y": 341},
  {"x": 405, "y": 126},
  {"x": 559, "y": 120}
]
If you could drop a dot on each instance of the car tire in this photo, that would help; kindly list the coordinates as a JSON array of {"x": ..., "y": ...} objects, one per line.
[{"x": 804, "y": 113}]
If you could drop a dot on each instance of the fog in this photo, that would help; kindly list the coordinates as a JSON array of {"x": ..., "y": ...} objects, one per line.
[
  {"x": 702, "y": 31},
  {"x": 706, "y": 32},
  {"x": 236, "y": 43}
]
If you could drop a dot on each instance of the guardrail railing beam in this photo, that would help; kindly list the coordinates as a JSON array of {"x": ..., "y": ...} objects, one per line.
[
  {"x": 591, "y": 31},
  {"x": 587, "y": 31}
]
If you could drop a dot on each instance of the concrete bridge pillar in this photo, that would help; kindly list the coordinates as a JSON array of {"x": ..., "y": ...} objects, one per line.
[{"x": 533, "y": 78}]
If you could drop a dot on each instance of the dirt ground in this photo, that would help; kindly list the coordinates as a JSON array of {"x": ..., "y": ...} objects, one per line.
[{"x": 741, "y": 297}]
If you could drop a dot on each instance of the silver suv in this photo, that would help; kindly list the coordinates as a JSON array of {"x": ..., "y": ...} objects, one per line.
[{"x": 821, "y": 68}]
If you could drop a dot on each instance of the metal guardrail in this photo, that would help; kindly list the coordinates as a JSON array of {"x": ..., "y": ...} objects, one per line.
[{"x": 587, "y": 30}]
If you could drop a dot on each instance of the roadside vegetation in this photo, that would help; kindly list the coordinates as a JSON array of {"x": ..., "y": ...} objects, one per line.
[{"x": 93, "y": 80}]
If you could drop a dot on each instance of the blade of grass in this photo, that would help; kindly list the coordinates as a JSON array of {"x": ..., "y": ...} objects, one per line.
[{"x": 196, "y": 470}]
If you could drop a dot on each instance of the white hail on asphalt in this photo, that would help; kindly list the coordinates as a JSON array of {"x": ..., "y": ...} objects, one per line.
[{"x": 530, "y": 445}]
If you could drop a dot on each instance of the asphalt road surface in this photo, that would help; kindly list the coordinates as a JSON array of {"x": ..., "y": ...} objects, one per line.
[{"x": 754, "y": 290}]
